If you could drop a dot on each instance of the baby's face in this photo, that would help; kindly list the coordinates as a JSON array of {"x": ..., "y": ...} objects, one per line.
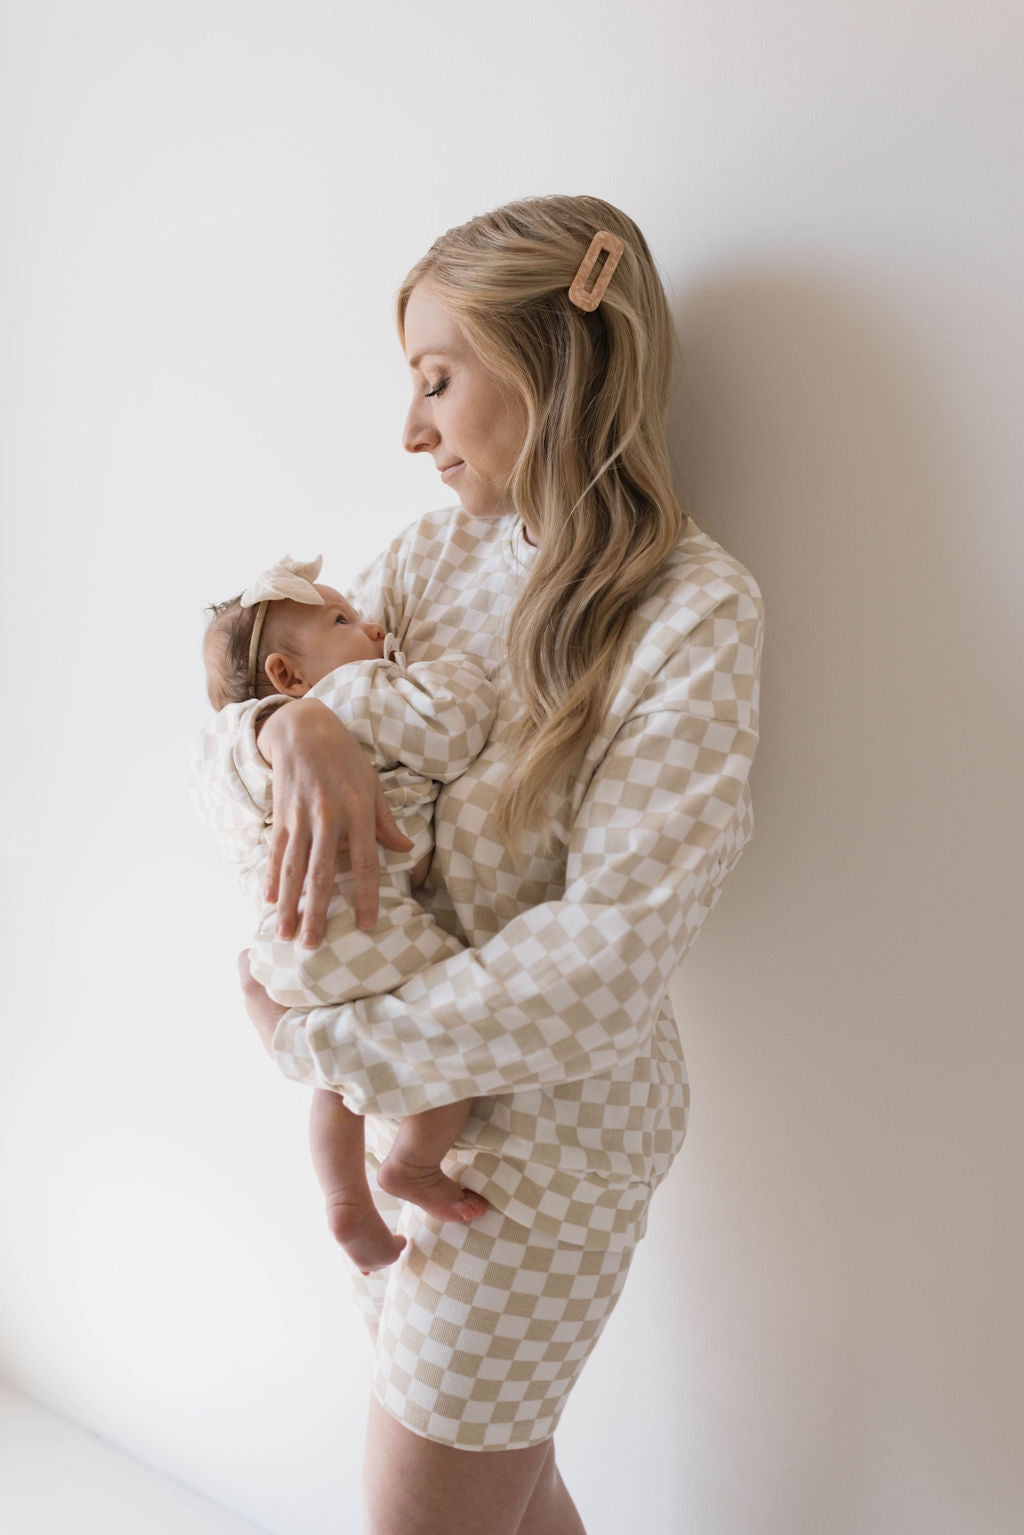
[{"x": 321, "y": 639}]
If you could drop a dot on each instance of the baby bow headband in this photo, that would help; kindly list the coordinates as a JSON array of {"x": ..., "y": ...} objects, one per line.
[{"x": 287, "y": 580}]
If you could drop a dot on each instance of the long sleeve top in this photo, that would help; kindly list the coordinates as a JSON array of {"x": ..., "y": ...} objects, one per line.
[
  {"x": 420, "y": 726},
  {"x": 553, "y": 1015}
]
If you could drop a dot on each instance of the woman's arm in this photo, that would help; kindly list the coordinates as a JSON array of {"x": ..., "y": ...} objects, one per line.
[
  {"x": 573, "y": 987},
  {"x": 326, "y": 797},
  {"x": 433, "y": 718}
]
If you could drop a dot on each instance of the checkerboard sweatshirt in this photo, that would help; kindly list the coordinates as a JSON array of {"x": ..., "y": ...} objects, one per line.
[{"x": 553, "y": 1013}]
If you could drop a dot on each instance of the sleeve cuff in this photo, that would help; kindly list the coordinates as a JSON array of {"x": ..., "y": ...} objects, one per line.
[{"x": 252, "y": 767}]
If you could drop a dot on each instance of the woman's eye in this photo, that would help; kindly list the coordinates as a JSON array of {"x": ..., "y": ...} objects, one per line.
[{"x": 437, "y": 389}]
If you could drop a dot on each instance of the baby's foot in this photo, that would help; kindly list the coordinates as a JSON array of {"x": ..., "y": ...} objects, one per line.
[
  {"x": 358, "y": 1227},
  {"x": 424, "y": 1184}
]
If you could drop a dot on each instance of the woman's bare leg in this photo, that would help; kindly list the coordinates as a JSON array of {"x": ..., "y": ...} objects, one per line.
[
  {"x": 337, "y": 1142},
  {"x": 550, "y": 1511},
  {"x": 412, "y": 1168},
  {"x": 413, "y": 1486}
]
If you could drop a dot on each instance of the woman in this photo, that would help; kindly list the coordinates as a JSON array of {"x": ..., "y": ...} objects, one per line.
[{"x": 575, "y": 860}]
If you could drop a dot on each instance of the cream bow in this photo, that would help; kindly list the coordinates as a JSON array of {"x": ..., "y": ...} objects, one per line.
[{"x": 285, "y": 580}]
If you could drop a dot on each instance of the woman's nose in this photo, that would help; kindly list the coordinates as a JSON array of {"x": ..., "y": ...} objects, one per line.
[{"x": 419, "y": 434}]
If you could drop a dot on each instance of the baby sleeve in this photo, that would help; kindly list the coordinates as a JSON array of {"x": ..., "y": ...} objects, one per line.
[
  {"x": 433, "y": 717},
  {"x": 232, "y": 783}
]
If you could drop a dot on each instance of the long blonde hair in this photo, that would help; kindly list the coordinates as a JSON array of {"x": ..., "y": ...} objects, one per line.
[{"x": 592, "y": 483}]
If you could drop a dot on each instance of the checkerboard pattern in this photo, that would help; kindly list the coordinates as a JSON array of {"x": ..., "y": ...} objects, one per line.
[
  {"x": 350, "y": 963},
  {"x": 552, "y": 1014},
  {"x": 483, "y": 1329},
  {"x": 420, "y": 726}
]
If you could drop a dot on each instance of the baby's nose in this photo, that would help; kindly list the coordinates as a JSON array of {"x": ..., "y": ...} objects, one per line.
[{"x": 374, "y": 631}]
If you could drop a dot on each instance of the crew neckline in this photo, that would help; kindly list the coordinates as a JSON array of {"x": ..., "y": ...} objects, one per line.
[{"x": 519, "y": 552}]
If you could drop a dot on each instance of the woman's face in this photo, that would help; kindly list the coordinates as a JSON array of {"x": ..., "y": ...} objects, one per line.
[{"x": 469, "y": 422}]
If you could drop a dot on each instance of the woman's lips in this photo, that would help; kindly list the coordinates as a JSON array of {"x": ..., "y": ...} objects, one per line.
[{"x": 446, "y": 474}]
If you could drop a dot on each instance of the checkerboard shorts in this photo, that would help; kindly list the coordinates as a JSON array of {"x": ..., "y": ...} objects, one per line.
[{"x": 482, "y": 1328}]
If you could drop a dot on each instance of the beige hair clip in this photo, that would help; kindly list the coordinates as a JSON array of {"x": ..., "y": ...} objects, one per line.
[{"x": 588, "y": 286}]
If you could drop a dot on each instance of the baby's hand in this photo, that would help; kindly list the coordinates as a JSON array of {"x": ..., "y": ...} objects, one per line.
[{"x": 419, "y": 871}]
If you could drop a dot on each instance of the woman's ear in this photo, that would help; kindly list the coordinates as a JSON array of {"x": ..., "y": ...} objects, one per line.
[{"x": 284, "y": 678}]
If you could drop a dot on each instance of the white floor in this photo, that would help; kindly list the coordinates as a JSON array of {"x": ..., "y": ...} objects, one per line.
[{"x": 57, "y": 1478}]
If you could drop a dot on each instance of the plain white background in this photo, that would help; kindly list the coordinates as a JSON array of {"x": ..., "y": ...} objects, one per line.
[{"x": 207, "y": 209}]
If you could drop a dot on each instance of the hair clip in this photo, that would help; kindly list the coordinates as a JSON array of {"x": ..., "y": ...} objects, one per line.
[{"x": 587, "y": 288}]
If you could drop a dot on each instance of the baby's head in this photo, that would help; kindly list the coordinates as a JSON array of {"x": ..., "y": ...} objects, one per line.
[{"x": 258, "y": 645}]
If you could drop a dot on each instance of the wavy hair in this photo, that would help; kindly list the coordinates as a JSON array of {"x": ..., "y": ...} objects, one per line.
[{"x": 592, "y": 482}]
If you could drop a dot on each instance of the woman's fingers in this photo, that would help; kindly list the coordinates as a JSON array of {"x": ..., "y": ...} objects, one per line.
[
  {"x": 292, "y": 865},
  {"x": 320, "y": 875},
  {"x": 275, "y": 852},
  {"x": 368, "y": 823},
  {"x": 362, "y": 852},
  {"x": 326, "y": 797},
  {"x": 378, "y": 827}
]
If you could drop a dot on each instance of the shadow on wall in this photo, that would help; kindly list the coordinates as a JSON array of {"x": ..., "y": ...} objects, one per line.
[
  {"x": 874, "y": 1009},
  {"x": 807, "y": 435}
]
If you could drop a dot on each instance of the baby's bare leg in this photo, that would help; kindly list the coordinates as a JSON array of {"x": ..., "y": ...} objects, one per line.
[
  {"x": 339, "y": 1159},
  {"x": 412, "y": 1170}
]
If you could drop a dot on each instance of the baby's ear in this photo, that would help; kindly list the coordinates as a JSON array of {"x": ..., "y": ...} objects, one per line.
[{"x": 283, "y": 676}]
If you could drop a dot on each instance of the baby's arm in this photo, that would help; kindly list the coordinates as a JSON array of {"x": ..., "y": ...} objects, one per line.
[
  {"x": 232, "y": 786},
  {"x": 432, "y": 717}
]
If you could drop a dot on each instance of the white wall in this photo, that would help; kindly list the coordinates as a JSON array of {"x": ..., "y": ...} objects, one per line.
[{"x": 211, "y": 207}]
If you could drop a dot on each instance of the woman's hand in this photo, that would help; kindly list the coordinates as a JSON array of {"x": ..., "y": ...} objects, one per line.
[
  {"x": 265, "y": 1013},
  {"x": 326, "y": 797}
]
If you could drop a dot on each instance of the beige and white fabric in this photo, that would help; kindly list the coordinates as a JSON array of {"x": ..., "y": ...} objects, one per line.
[
  {"x": 552, "y": 1015},
  {"x": 483, "y": 1329},
  {"x": 420, "y": 726}
]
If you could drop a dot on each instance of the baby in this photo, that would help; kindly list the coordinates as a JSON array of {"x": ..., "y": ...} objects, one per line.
[{"x": 421, "y": 725}]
